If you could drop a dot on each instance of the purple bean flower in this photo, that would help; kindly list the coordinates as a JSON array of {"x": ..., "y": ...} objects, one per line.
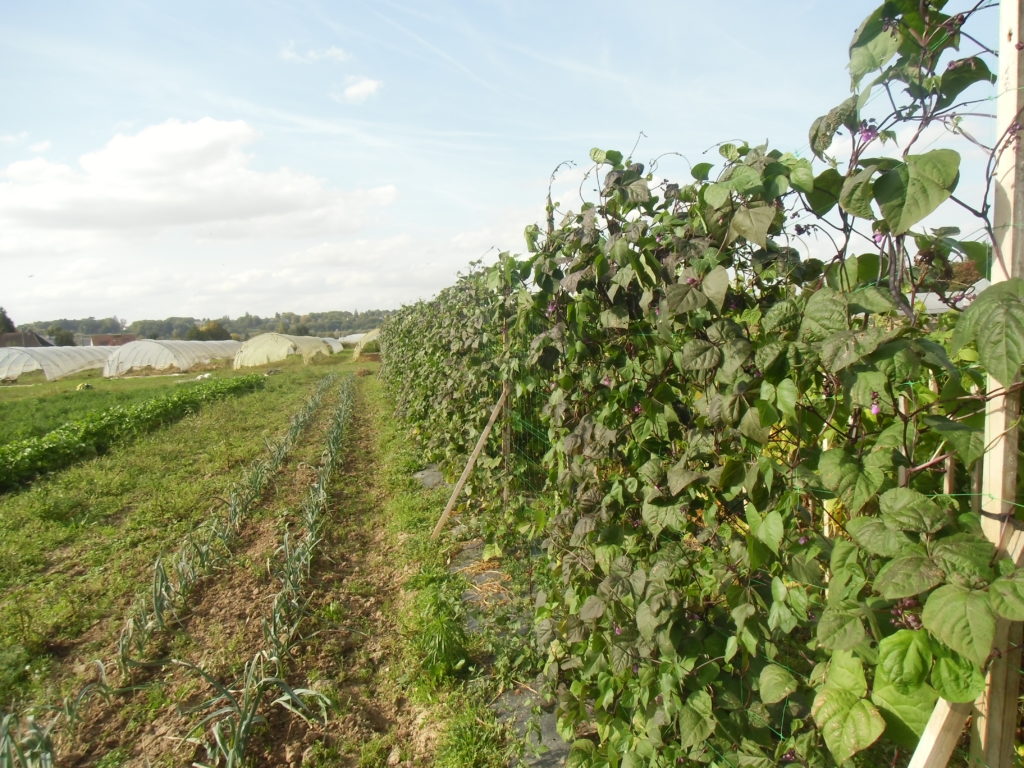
[{"x": 867, "y": 132}]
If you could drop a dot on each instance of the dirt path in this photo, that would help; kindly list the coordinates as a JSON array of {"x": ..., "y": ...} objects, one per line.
[{"x": 357, "y": 646}]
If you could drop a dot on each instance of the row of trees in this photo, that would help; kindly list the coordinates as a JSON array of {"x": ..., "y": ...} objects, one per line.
[{"x": 338, "y": 323}]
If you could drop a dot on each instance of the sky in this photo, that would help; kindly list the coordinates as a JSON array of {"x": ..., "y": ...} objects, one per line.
[{"x": 215, "y": 157}]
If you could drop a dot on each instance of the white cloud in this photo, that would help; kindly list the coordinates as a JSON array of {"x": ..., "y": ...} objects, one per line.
[
  {"x": 171, "y": 175},
  {"x": 289, "y": 52},
  {"x": 13, "y": 138},
  {"x": 39, "y": 147},
  {"x": 360, "y": 273},
  {"x": 174, "y": 219},
  {"x": 358, "y": 89}
]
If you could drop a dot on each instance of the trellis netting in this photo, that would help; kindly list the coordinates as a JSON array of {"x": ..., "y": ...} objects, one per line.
[
  {"x": 54, "y": 362},
  {"x": 272, "y": 347},
  {"x": 163, "y": 354}
]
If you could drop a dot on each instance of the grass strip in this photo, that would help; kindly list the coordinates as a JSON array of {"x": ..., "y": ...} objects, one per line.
[{"x": 447, "y": 666}]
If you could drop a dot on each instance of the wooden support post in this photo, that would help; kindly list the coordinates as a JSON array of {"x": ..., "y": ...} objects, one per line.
[
  {"x": 995, "y": 714},
  {"x": 994, "y": 726},
  {"x": 946, "y": 724},
  {"x": 941, "y": 735},
  {"x": 471, "y": 463}
]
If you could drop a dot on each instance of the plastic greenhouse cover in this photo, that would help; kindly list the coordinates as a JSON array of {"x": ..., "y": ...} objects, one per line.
[
  {"x": 367, "y": 338},
  {"x": 55, "y": 362},
  {"x": 162, "y": 354},
  {"x": 271, "y": 347},
  {"x": 352, "y": 339}
]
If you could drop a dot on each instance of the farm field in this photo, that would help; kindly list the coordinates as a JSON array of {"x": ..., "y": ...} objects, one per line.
[
  {"x": 283, "y": 643},
  {"x": 739, "y": 478}
]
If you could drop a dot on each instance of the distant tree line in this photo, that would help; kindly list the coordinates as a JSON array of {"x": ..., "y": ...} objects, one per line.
[
  {"x": 6, "y": 324},
  {"x": 336, "y": 323}
]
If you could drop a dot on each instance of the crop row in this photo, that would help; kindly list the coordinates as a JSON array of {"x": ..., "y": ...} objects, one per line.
[
  {"x": 93, "y": 434},
  {"x": 209, "y": 545},
  {"x": 234, "y": 711}
]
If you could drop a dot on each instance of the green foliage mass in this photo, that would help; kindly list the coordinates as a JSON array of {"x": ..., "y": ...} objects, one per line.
[
  {"x": 6, "y": 324},
  {"x": 763, "y": 545},
  {"x": 92, "y": 434},
  {"x": 34, "y": 411}
]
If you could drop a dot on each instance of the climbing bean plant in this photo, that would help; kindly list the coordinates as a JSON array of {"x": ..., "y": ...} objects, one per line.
[{"x": 765, "y": 544}]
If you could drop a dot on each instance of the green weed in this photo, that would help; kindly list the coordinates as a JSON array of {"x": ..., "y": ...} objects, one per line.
[
  {"x": 374, "y": 753},
  {"x": 473, "y": 738}
]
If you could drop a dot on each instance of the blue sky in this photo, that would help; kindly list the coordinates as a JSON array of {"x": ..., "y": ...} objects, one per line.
[{"x": 222, "y": 157}]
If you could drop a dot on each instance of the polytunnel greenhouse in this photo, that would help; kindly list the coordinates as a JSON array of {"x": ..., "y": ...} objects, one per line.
[
  {"x": 351, "y": 340},
  {"x": 368, "y": 344},
  {"x": 54, "y": 362},
  {"x": 334, "y": 344},
  {"x": 272, "y": 347},
  {"x": 163, "y": 354}
]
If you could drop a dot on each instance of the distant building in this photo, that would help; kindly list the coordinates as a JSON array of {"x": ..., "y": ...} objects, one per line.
[
  {"x": 23, "y": 339},
  {"x": 111, "y": 339}
]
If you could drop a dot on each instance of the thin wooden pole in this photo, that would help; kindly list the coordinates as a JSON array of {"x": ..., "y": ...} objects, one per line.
[
  {"x": 995, "y": 713},
  {"x": 471, "y": 463},
  {"x": 941, "y": 735},
  {"x": 947, "y": 721},
  {"x": 994, "y": 724}
]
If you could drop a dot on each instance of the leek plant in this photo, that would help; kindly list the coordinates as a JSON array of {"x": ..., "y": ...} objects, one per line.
[
  {"x": 199, "y": 555},
  {"x": 237, "y": 710}
]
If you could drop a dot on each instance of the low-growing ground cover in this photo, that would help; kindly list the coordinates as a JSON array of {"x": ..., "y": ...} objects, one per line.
[
  {"x": 32, "y": 411},
  {"x": 22, "y": 461}
]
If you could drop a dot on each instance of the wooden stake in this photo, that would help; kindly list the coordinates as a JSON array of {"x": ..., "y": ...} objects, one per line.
[
  {"x": 941, "y": 735},
  {"x": 946, "y": 724},
  {"x": 471, "y": 463},
  {"x": 995, "y": 713},
  {"x": 994, "y": 729}
]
